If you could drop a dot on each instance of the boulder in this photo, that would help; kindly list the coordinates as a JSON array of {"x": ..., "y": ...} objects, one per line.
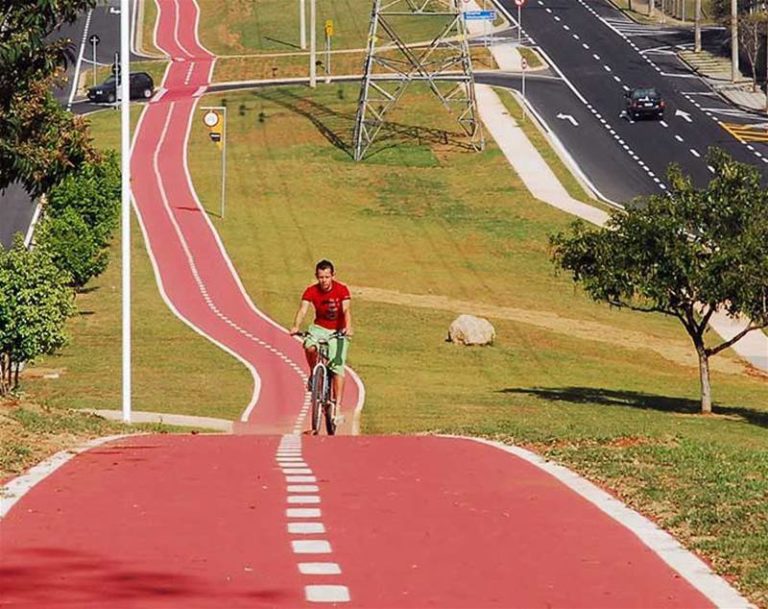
[{"x": 471, "y": 330}]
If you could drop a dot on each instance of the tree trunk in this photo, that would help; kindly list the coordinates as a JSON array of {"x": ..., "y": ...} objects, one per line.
[
  {"x": 3, "y": 375},
  {"x": 706, "y": 388},
  {"x": 651, "y": 7}
]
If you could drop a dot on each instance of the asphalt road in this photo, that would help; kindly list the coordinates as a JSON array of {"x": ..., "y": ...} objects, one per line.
[{"x": 600, "y": 54}]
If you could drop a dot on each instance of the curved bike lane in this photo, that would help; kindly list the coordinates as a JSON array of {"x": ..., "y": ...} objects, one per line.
[{"x": 193, "y": 271}]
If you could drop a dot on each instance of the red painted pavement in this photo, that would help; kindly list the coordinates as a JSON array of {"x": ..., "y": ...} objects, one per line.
[
  {"x": 196, "y": 275},
  {"x": 199, "y": 521}
]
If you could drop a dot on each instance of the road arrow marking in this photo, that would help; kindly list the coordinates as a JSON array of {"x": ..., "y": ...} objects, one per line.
[
  {"x": 568, "y": 117},
  {"x": 685, "y": 115}
]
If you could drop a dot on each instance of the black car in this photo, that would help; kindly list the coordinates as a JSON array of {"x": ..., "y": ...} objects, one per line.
[
  {"x": 642, "y": 103},
  {"x": 142, "y": 87}
]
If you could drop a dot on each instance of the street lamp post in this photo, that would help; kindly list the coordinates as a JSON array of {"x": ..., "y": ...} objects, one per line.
[{"x": 125, "y": 161}]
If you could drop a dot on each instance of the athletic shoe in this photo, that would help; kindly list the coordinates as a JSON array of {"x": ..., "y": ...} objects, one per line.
[
  {"x": 338, "y": 419},
  {"x": 309, "y": 384}
]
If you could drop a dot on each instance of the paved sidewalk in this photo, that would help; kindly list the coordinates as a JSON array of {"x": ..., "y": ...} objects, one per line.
[{"x": 716, "y": 72}]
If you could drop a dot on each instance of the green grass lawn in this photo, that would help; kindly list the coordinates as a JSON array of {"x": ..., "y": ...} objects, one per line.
[{"x": 233, "y": 28}]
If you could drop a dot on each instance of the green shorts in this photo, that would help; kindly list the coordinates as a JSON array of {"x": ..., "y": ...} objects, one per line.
[{"x": 337, "y": 348}]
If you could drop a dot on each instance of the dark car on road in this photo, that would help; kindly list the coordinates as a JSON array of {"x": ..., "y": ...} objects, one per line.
[
  {"x": 142, "y": 87},
  {"x": 643, "y": 103}
]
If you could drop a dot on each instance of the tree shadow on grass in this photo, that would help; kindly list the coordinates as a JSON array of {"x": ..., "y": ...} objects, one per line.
[
  {"x": 338, "y": 128},
  {"x": 636, "y": 399}
]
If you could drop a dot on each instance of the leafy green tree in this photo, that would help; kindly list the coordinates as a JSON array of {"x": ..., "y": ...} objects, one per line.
[
  {"x": 35, "y": 303},
  {"x": 72, "y": 246},
  {"x": 687, "y": 255},
  {"x": 39, "y": 141},
  {"x": 93, "y": 191}
]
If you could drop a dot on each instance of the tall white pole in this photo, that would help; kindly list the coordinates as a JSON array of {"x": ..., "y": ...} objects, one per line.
[
  {"x": 303, "y": 23},
  {"x": 312, "y": 43},
  {"x": 125, "y": 145}
]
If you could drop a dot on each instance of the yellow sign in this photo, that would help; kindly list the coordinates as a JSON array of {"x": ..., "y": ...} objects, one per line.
[
  {"x": 329, "y": 27},
  {"x": 213, "y": 121}
]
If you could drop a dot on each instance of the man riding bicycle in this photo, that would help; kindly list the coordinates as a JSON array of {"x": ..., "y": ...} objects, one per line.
[{"x": 331, "y": 300}]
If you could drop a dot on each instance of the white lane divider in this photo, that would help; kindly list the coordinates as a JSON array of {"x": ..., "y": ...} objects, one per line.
[{"x": 305, "y": 522}]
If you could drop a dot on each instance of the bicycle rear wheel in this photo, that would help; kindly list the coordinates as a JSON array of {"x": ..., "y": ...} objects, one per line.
[{"x": 319, "y": 382}]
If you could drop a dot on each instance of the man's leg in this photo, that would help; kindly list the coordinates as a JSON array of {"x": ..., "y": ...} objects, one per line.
[{"x": 338, "y": 389}]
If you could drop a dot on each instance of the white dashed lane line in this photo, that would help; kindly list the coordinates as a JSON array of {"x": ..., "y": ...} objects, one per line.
[
  {"x": 305, "y": 522},
  {"x": 678, "y": 138},
  {"x": 695, "y": 153}
]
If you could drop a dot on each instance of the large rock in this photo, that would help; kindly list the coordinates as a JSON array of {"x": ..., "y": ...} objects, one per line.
[{"x": 471, "y": 330}]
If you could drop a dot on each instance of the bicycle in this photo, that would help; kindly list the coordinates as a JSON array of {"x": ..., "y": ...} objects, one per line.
[{"x": 323, "y": 400}]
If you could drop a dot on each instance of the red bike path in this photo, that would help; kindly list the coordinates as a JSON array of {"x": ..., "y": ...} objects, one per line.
[
  {"x": 284, "y": 520},
  {"x": 203, "y": 521}
]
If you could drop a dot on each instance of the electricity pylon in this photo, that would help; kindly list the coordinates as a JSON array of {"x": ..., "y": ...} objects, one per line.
[{"x": 391, "y": 64}]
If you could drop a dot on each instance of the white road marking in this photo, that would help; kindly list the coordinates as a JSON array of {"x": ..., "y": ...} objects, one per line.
[
  {"x": 695, "y": 153},
  {"x": 303, "y": 499},
  {"x": 327, "y": 594},
  {"x": 303, "y": 488},
  {"x": 319, "y": 568},
  {"x": 301, "y": 479},
  {"x": 305, "y": 528},
  {"x": 678, "y": 138},
  {"x": 296, "y": 470},
  {"x": 663, "y": 124},
  {"x": 303, "y": 512},
  {"x": 311, "y": 546}
]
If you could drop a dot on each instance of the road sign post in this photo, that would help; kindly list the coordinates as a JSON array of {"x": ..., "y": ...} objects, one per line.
[
  {"x": 519, "y": 4},
  {"x": 328, "y": 37},
  {"x": 215, "y": 118},
  {"x": 94, "y": 40},
  {"x": 524, "y": 66}
]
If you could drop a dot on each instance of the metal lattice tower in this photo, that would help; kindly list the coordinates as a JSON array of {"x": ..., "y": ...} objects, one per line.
[{"x": 391, "y": 65}]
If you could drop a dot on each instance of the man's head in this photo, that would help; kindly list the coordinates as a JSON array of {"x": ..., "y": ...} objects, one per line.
[{"x": 324, "y": 272}]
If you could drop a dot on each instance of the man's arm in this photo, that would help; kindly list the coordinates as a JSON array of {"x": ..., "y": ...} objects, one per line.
[
  {"x": 347, "y": 317},
  {"x": 300, "y": 314}
]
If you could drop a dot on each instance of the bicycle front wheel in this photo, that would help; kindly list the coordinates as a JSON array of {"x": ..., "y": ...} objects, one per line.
[{"x": 319, "y": 391}]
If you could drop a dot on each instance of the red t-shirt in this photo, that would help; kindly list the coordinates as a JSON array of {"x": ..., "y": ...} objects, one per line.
[{"x": 328, "y": 311}]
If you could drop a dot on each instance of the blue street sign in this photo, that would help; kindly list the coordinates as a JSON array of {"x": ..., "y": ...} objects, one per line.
[{"x": 479, "y": 15}]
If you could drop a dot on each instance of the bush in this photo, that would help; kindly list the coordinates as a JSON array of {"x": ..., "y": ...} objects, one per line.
[
  {"x": 72, "y": 246},
  {"x": 93, "y": 191}
]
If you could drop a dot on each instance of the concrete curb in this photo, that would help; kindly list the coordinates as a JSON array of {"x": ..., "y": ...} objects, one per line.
[{"x": 167, "y": 419}]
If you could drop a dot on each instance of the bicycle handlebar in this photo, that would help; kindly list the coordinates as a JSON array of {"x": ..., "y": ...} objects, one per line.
[{"x": 338, "y": 334}]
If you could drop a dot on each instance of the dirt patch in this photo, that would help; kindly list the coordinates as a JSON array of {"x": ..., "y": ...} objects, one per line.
[{"x": 678, "y": 352}]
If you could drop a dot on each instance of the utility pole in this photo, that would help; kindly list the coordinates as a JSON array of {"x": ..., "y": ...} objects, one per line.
[
  {"x": 697, "y": 27},
  {"x": 651, "y": 7},
  {"x": 313, "y": 43},
  {"x": 734, "y": 40}
]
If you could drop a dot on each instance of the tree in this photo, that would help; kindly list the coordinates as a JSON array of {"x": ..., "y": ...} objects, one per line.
[
  {"x": 39, "y": 141},
  {"x": 35, "y": 303},
  {"x": 688, "y": 254},
  {"x": 753, "y": 28},
  {"x": 72, "y": 246}
]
